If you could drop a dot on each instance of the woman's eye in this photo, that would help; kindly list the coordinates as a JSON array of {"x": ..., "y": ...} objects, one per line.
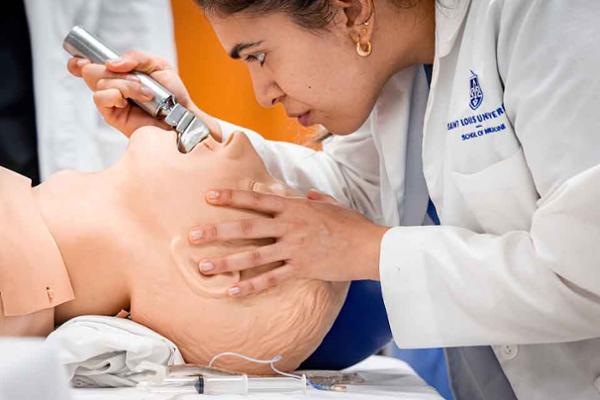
[{"x": 260, "y": 57}]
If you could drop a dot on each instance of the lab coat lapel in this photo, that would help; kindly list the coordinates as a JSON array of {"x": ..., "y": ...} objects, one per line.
[
  {"x": 398, "y": 123},
  {"x": 393, "y": 121},
  {"x": 449, "y": 17}
]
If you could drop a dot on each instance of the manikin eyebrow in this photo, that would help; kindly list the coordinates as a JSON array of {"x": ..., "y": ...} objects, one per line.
[{"x": 238, "y": 48}]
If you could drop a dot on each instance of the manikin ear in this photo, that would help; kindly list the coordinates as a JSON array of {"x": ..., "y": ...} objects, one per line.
[
  {"x": 187, "y": 257},
  {"x": 356, "y": 17}
]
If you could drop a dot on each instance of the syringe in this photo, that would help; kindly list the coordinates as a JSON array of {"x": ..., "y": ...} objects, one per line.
[{"x": 229, "y": 384}]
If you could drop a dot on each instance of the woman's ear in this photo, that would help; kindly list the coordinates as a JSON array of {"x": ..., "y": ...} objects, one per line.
[
  {"x": 187, "y": 257},
  {"x": 356, "y": 16}
]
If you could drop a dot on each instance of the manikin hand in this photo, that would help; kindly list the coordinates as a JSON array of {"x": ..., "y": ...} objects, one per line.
[
  {"x": 113, "y": 84},
  {"x": 315, "y": 238}
]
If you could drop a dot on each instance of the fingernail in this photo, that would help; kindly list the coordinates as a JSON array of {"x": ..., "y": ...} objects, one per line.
[
  {"x": 234, "y": 291},
  {"x": 213, "y": 195},
  {"x": 133, "y": 78},
  {"x": 81, "y": 62},
  {"x": 206, "y": 266},
  {"x": 196, "y": 235},
  {"x": 116, "y": 61}
]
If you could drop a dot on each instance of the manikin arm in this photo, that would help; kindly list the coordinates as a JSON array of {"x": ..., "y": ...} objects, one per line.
[{"x": 33, "y": 277}]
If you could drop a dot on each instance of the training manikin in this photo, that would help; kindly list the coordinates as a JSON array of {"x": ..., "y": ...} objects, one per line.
[{"x": 98, "y": 243}]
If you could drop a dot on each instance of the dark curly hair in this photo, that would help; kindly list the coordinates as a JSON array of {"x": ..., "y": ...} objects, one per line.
[{"x": 311, "y": 14}]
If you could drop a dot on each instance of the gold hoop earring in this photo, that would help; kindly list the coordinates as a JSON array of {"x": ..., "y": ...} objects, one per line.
[{"x": 364, "y": 50}]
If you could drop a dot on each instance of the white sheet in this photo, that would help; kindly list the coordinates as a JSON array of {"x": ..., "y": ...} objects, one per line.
[
  {"x": 110, "y": 352},
  {"x": 403, "y": 384},
  {"x": 29, "y": 369}
]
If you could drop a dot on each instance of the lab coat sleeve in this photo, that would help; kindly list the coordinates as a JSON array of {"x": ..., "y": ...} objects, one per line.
[
  {"x": 448, "y": 286},
  {"x": 347, "y": 168}
]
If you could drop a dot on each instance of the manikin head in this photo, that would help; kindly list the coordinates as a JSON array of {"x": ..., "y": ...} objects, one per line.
[
  {"x": 303, "y": 54},
  {"x": 156, "y": 194}
]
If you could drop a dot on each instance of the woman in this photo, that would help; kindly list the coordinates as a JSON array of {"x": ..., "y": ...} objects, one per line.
[{"x": 504, "y": 144}]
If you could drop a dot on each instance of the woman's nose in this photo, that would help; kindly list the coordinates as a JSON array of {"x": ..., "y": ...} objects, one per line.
[{"x": 267, "y": 91}]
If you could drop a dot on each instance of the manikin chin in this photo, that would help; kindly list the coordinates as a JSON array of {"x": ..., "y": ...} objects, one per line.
[{"x": 97, "y": 243}]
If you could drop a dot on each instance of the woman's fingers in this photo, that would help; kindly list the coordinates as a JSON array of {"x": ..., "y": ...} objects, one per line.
[
  {"x": 276, "y": 187},
  {"x": 130, "y": 61},
  {"x": 247, "y": 199},
  {"x": 92, "y": 73},
  {"x": 129, "y": 88},
  {"x": 314, "y": 194},
  {"x": 250, "y": 228},
  {"x": 114, "y": 92},
  {"x": 272, "y": 188},
  {"x": 115, "y": 82},
  {"x": 108, "y": 99},
  {"x": 75, "y": 64},
  {"x": 241, "y": 261},
  {"x": 139, "y": 61},
  {"x": 262, "y": 282}
]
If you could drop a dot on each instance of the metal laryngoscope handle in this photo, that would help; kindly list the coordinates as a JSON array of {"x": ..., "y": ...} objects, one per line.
[{"x": 190, "y": 130}]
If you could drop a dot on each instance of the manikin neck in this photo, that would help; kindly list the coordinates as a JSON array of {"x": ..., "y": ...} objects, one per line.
[{"x": 87, "y": 221}]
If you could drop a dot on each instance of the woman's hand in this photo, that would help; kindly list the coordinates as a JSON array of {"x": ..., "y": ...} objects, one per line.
[
  {"x": 113, "y": 84},
  {"x": 315, "y": 237}
]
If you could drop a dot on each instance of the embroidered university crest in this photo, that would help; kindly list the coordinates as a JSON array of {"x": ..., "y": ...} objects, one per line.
[{"x": 475, "y": 92}]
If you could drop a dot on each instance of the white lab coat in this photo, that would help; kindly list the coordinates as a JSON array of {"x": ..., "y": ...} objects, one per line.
[
  {"x": 516, "y": 263},
  {"x": 71, "y": 132}
]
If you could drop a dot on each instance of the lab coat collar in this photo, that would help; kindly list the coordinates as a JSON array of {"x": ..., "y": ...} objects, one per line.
[{"x": 449, "y": 18}]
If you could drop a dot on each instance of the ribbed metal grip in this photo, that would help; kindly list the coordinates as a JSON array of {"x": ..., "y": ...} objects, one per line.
[{"x": 81, "y": 43}]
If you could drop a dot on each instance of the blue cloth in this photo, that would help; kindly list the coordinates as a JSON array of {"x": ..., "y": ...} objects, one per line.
[
  {"x": 430, "y": 364},
  {"x": 360, "y": 330},
  {"x": 432, "y": 213}
]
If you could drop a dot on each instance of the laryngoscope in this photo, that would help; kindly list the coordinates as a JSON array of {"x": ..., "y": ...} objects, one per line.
[{"x": 190, "y": 130}]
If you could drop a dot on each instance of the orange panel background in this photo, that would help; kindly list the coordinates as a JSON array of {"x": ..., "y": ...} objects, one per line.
[{"x": 219, "y": 85}]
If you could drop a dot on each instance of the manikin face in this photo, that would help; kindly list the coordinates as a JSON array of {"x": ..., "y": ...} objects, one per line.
[
  {"x": 122, "y": 234},
  {"x": 165, "y": 198}
]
